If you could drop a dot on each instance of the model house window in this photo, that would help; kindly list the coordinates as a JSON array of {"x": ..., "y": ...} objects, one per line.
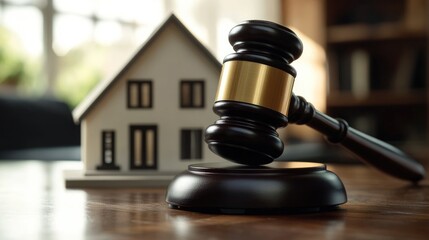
[
  {"x": 139, "y": 94},
  {"x": 191, "y": 144},
  {"x": 143, "y": 148},
  {"x": 108, "y": 151},
  {"x": 191, "y": 94}
]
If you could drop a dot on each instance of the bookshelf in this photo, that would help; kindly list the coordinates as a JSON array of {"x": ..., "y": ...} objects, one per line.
[{"x": 378, "y": 80}]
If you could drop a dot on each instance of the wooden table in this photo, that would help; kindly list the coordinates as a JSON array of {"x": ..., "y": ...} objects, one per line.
[{"x": 35, "y": 205}]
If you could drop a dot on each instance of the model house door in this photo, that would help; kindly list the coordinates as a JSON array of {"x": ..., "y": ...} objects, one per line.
[{"x": 143, "y": 147}]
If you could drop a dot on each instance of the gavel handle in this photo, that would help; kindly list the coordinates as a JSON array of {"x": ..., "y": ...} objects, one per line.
[{"x": 381, "y": 155}]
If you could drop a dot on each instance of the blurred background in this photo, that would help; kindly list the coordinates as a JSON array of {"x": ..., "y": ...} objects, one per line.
[
  {"x": 63, "y": 48},
  {"x": 364, "y": 61}
]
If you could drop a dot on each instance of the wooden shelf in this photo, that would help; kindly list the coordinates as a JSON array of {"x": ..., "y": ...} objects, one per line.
[
  {"x": 377, "y": 99},
  {"x": 378, "y": 69},
  {"x": 378, "y": 32}
]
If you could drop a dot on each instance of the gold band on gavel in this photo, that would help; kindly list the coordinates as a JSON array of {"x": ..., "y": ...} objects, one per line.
[{"x": 257, "y": 84}]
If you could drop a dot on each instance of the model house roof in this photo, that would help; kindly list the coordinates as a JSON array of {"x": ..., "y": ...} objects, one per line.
[{"x": 97, "y": 93}]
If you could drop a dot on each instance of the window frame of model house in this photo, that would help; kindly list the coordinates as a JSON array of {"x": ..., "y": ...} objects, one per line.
[
  {"x": 191, "y": 144},
  {"x": 140, "y": 94},
  {"x": 192, "y": 93},
  {"x": 143, "y": 147}
]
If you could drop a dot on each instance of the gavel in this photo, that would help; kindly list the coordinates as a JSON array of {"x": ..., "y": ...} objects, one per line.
[{"x": 254, "y": 99}]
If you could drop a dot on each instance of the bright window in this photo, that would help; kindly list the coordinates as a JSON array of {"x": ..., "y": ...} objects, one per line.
[
  {"x": 68, "y": 46},
  {"x": 21, "y": 48}
]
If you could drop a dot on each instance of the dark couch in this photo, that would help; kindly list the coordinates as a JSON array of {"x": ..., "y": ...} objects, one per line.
[{"x": 36, "y": 125}]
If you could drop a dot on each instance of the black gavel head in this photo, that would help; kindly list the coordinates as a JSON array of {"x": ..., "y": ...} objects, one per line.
[{"x": 254, "y": 92}]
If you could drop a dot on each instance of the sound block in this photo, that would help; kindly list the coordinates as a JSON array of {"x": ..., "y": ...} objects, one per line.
[{"x": 238, "y": 189}]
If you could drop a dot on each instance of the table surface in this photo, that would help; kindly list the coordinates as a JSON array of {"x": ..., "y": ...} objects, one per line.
[{"x": 35, "y": 205}]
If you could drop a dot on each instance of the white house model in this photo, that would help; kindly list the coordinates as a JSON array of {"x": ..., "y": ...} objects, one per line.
[{"x": 147, "y": 123}]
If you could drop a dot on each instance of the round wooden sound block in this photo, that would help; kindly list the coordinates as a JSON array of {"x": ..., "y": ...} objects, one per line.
[{"x": 276, "y": 187}]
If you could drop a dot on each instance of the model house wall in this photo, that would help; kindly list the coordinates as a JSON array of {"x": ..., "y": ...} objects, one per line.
[{"x": 152, "y": 115}]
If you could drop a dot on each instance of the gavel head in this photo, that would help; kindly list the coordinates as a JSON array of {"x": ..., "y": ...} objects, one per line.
[{"x": 254, "y": 92}]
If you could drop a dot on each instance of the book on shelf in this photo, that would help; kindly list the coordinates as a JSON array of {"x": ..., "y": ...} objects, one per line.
[
  {"x": 354, "y": 72},
  {"x": 360, "y": 73},
  {"x": 404, "y": 71}
]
